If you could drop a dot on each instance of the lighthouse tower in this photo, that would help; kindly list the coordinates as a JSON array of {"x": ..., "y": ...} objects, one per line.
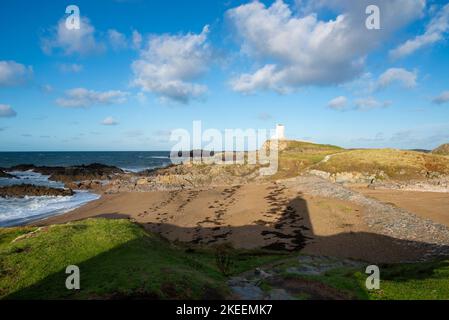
[{"x": 280, "y": 132}]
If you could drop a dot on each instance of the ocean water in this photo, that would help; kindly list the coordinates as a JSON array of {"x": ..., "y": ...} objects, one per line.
[
  {"x": 19, "y": 211},
  {"x": 127, "y": 160}
]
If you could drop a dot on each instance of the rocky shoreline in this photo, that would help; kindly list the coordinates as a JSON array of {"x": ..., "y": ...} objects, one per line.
[
  {"x": 382, "y": 218},
  {"x": 3, "y": 174},
  {"x": 94, "y": 171},
  {"x": 23, "y": 190},
  {"x": 109, "y": 179}
]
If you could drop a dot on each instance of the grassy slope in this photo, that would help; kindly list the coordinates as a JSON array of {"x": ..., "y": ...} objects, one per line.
[
  {"x": 117, "y": 258},
  {"x": 442, "y": 150},
  {"x": 296, "y": 156},
  {"x": 397, "y": 164}
]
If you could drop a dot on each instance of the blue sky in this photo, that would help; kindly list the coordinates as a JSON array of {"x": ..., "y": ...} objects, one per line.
[{"x": 137, "y": 69}]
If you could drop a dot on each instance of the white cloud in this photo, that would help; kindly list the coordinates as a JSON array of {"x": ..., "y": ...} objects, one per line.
[
  {"x": 436, "y": 31},
  {"x": 370, "y": 103},
  {"x": 402, "y": 76},
  {"x": 109, "y": 121},
  {"x": 83, "y": 98},
  {"x": 70, "y": 67},
  {"x": 117, "y": 40},
  {"x": 75, "y": 41},
  {"x": 338, "y": 103},
  {"x": 442, "y": 98},
  {"x": 170, "y": 63},
  {"x": 367, "y": 84},
  {"x": 13, "y": 73},
  {"x": 264, "y": 78},
  {"x": 293, "y": 50},
  {"x": 6, "y": 111}
]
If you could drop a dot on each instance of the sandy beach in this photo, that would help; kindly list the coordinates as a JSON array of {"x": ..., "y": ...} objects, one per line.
[
  {"x": 267, "y": 215},
  {"x": 428, "y": 205}
]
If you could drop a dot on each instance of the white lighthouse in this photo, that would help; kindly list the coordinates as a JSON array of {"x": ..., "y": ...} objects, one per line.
[{"x": 280, "y": 132}]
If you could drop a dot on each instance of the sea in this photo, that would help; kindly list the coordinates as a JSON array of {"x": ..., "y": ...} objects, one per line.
[{"x": 20, "y": 211}]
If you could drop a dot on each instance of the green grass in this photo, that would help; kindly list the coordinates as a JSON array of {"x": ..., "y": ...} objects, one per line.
[
  {"x": 417, "y": 281},
  {"x": 117, "y": 258},
  {"x": 410, "y": 281}
]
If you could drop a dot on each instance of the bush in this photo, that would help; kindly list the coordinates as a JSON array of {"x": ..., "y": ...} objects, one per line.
[{"x": 223, "y": 258}]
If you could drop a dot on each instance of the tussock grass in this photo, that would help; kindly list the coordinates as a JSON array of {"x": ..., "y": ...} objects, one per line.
[
  {"x": 442, "y": 150},
  {"x": 396, "y": 164}
]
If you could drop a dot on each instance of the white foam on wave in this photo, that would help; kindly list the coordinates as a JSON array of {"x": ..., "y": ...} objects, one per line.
[
  {"x": 137, "y": 170},
  {"x": 29, "y": 177},
  {"x": 17, "y": 211}
]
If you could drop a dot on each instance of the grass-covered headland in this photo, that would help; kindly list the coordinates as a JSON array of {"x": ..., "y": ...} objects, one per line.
[
  {"x": 119, "y": 259},
  {"x": 116, "y": 258}
]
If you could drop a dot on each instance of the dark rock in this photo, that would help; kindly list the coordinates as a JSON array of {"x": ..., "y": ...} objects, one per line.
[
  {"x": 85, "y": 185},
  {"x": 20, "y": 191},
  {"x": 3, "y": 174},
  {"x": 94, "y": 171}
]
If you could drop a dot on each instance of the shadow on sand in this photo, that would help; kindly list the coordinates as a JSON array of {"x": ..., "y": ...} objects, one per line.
[{"x": 291, "y": 232}]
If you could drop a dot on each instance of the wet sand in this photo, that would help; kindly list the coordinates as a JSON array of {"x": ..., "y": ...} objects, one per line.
[
  {"x": 428, "y": 205},
  {"x": 251, "y": 216}
]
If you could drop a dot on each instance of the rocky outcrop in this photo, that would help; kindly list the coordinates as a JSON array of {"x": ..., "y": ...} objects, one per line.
[
  {"x": 433, "y": 182},
  {"x": 349, "y": 177},
  {"x": 184, "y": 176},
  {"x": 93, "y": 171},
  {"x": 3, "y": 174},
  {"x": 92, "y": 185},
  {"x": 20, "y": 191}
]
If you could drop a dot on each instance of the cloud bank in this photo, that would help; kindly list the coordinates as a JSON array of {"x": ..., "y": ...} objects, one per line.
[
  {"x": 170, "y": 65},
  {"x": 292, "y": 50}
]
